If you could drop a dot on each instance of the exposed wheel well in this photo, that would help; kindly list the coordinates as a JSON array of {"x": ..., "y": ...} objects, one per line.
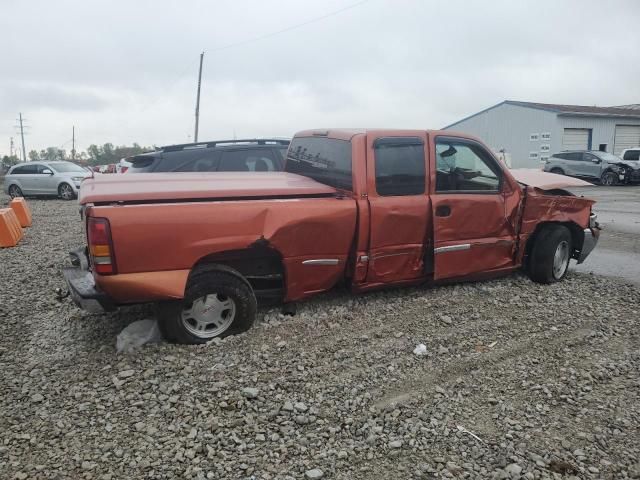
[
  {"x": 259, "y": 264},
  {"x": 577, "y": 238}
]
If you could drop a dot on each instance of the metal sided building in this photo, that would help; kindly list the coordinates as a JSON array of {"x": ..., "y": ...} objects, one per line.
[{"x": 529, "y": 133}]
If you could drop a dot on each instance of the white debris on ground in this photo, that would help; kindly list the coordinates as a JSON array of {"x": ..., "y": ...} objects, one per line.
[
  {"x": 334, "y": 390},
  {"x": 421, "y": 349},
  {"x": 137, "y": 334}
]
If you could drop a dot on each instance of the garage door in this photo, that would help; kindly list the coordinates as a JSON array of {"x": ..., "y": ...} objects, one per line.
[
  {"x": 627, "y": 136},
  {"x": 576, "y": 139}
]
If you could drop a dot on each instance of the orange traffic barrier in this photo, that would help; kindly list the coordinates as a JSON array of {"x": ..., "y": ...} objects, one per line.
[
  {"x": 10, "y": 229},
  {"x": 20, "y": 207}
]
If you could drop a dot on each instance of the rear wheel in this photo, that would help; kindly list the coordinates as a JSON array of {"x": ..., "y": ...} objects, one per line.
[
  {"x": 557, "y": 171},
  {"x": 609, "y": 178},
  {"x": 66, "y": 192},
  {"x": 549, "y": 259},
  {"x": 14, "y": 191},
  {"x": 216, "y": 304}
]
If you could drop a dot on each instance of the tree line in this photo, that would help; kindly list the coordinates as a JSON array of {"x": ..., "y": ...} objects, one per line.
[{"x": 94, "y": 155}]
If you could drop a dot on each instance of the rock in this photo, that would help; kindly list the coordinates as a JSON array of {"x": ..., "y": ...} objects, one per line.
[
  {"x": 443, "y": 350},
  {"x": 37, "y": 398},
  {"x": 514, "y": 470},
  {"x": 314, "y": 474},
  {"x": 249, "y": 392},
  {"x": 126, "y": 373},
  {"x": 395, "y": 444},
  {"x": 300, "y": 407}
]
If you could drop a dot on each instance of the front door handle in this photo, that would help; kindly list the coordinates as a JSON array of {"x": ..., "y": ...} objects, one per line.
[{"x": 443, "y": 211}]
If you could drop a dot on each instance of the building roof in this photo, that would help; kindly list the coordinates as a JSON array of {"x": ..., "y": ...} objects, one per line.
[
  {"x": 623, "y": 110},
  {"x": 626, "y": 111}
]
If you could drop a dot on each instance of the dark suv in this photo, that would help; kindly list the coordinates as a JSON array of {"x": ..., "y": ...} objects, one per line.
[{"x": 255, "y": 155}]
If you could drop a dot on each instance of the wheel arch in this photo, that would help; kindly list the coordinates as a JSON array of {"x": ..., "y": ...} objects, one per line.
[
  {"x": 577, "y": 238},
  {"x": 260, "y": 265}
]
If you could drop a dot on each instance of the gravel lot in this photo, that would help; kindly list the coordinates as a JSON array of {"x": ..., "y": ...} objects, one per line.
[{"x": 520, "y": 381}]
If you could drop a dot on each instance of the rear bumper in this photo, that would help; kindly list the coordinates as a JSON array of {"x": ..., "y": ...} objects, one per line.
[
  {"x": 82, "y": 286},
  {"x": 591, "y": 236}
]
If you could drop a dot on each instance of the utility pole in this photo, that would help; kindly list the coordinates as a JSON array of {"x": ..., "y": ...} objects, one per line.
[
  {"x": 195, "y": 136},
  {"x": 24, "y": 151},
  {"x": 73, "y": 142},
  {"x": 11, "y": 147}
]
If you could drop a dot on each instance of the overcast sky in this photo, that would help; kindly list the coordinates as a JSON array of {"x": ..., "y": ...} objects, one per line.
[{"x": 125, "y": 71}]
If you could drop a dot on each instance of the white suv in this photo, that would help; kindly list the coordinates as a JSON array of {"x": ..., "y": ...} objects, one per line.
[
  {"x": 631, "y": 154},
  {"x": 44, "y": 178}
]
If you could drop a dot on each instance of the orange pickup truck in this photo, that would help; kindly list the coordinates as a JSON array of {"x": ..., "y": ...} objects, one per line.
[{"x": 367, "y": 208}]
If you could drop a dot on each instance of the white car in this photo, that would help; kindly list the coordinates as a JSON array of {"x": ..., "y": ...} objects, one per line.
[
  {"x": 632, "y": 154},
  {"x": 44, "y": 178},
  {"x": 122, "y": 166}
]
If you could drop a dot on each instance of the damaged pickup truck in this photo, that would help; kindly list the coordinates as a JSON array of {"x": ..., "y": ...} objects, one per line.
[{"x": 366, "y": 208}]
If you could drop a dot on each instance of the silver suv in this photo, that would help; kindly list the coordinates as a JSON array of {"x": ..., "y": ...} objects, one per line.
[
  {"x": 594, "y": 165},
  {"x": 44, "y": 178}
]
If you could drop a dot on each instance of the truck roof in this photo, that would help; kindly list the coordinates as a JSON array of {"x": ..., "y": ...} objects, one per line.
[{"x": 349, "y": 133}]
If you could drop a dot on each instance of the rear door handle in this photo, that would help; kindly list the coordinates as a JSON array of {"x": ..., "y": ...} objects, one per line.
[{"x": 443, "y": 211}]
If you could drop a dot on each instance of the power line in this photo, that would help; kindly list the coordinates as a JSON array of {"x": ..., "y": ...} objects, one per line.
[{"x": 288, "y": 29}]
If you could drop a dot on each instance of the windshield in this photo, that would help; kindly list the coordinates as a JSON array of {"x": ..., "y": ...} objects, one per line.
[
  {"x": 67, "y": 167},
  {"x": 608, "y": 157}
]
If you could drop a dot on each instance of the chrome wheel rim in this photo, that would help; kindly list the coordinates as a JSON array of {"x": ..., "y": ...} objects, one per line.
[
  {"x": 561, "y": 260},
  {"x": 608, "y": 179},
  {"x": 14, "y": 191},
  {"x": 209, "y": 316},
  {"x": 66, "y": 192}
]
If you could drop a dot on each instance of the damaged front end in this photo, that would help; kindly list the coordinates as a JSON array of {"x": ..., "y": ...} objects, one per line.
[{"x": 627, "y": 174}]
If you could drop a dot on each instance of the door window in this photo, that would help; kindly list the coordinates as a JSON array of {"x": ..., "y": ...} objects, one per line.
[
  {"x": 25, "y": 169},
  {"x": 465, "y": 167},
  {"x": 400, "y": 166},
  {"x": 577, "y": 156}
]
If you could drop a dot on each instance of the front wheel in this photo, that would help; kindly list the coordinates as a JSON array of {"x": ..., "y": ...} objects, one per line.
[
  {"x": 549, "y": 260},
  {"x": 66, "y": 192},
  {"x": 557, "y": 171},
  {"x": 217, "y": 303},
  {"x": 608, "y": 179},
  {"x": 14, "y": 191}
]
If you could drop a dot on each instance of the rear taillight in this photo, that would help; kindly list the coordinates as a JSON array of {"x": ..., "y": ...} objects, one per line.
[{"x": 101, "y": 246}]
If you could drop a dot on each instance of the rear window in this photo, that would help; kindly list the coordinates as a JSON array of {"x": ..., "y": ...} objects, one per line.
[
  {"x": 326, "y": 160},
  {"x": 249, "y": 160},
  {"x": 141, "y": 163}
]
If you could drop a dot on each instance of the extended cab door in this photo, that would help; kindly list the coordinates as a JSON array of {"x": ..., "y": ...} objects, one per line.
[
  {"x": 473, "y": 229},
  {"x": 398, "y": 206}
]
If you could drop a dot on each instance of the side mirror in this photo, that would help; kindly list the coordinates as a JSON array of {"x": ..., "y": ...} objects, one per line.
[
  {"x": 595, "y": 160},
  {"x": 46, "y": 171}
]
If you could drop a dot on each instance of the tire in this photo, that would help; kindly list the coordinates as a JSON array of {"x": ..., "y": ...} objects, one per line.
[
  {"x": 14, "y": 191},
  {"x": 609, "y": 179},
  {"x": 229, "y": 303},
  {"x": 557, "y": 171},
  {"x": 550, "y": 255},
  {"x": 65, "y": 191}
]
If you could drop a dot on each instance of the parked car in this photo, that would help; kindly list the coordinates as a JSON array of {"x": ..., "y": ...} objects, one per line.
[
  {"x": 604, "y": 167},
  {"x": 255, "y": 155},
  {"x": 631, "y": 154},
  {"x": 44, "y": 178},
  {"x": 367, "y": 208},
  {"x": 123, "y": 165}
]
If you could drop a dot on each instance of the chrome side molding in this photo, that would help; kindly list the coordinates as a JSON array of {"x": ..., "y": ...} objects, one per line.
[
  {"x": 452, "y": 248},
  {"x": 322, "y": 261}
]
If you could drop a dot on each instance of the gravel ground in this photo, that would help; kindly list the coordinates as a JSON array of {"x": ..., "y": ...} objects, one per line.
[{"x": 519, "y": 381}]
